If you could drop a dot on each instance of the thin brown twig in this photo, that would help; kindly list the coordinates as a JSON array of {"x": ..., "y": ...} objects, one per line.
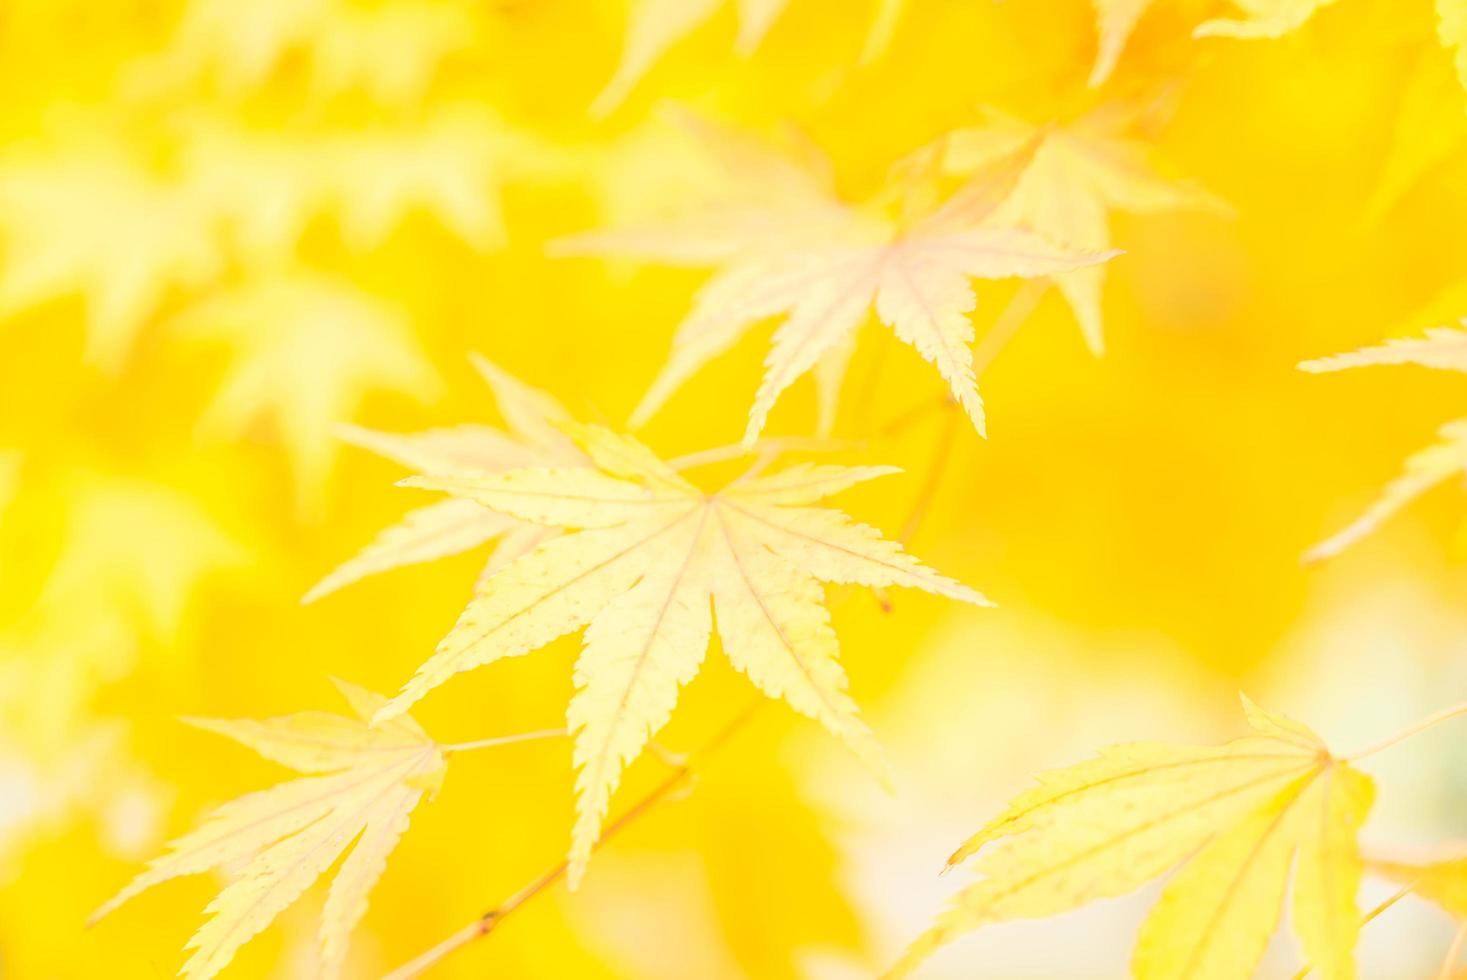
[{"x": 490, "y": 920}]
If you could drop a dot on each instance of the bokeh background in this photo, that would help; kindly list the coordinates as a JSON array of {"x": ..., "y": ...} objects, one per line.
[{"x": 228, "y": 227}]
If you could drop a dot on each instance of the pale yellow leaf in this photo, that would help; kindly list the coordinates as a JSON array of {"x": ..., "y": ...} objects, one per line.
[
  {"x": 1105, "y": 827},
  {"x": 1443, "y": 348},
  {"x": 307, "y": 350},
  {"x": 1114, "y": 21},
  {"x": 1262, "y": 18},
  {"x": 639, "y": 650},
  {"x": 93, "y": 221},
  {"x": 1424, "y": 470},
  {"x": 822, "y": 264},
  {"x": 282, "y": 839},
  {"x": 391, "y": 50},
  {"x": 654, "y": 26},
  {"x": 1439, "y": 878},
  {"x": 1077, "y": 175},
  {"x": 1326, "y": 916},
  {"x": 1427, "y": 127},
  {"x": 645, "y": 557},
  {"x": 1452, "y": 29},
  {"x": 136, "y": 550},
  {"x": 267, "y": 187},
  {"x": 453, "y": 526},
  {"x": 1216, "y": 915},
  {"x": 438, "y": 530}
]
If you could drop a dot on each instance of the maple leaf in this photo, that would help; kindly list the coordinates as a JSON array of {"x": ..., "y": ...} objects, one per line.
[
  {"x": 269, "y": 186},
  {"x": 365, "y": 781},
  {"x": 1428, "y": 127},
  {"x": 823, "y": 264},
  {"x": 1262, "y": 18},
  {"x": 92, "y": 220},
  {"x": 391, "y": 50},
  {"x": 134, "y": 548},
  {"x": 1443, "y": 348},
  {"x": 1078, "y": 174},
  {"x": 454, "y": 525},
  {"x": 1452, "y": 30},
  {"x": 650, "y": 554},
  {"x": 1275, "y": 18},
  {"x": 307, "y": 349},
  {"x": 654, "y": 26},
  {"x": 1439, "y": 879},
  {"x": 1115, "y": 20},
  {"x": 1105, "y": 827}
]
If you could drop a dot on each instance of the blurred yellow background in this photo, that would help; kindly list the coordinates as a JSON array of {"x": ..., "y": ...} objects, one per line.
[{"x": 228, "y": 227}]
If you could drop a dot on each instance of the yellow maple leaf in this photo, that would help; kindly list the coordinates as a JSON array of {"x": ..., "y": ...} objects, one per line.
[
  {"x": 269, "y": 186},
  {"x": 1452, "y": 31},
  {"x": 1105, "y": 827},
  {"x": 134, "y": 548},
  {"x": 454, "y": 525},
  {"x": 307, "y": 350},
  {"x": 1428, "y": 127},
  {"x": 651, "y": 556},
  {"x": 1444, "y": 348},
  {"x": 1262, "y": 18},
  {"x": 800, "y": 252},
  {"x": 654, "y": 26},
  {"x": 1441, "y": 879},
  {"x": 1115, "y": 20},
  {"x": 92, "y": 220},
  {"x": 391, "y": 50},
  {"x": 1078, "y": 174},
  {"x": 1275, "y": 18},
  {"x": 365, "y": 781}
]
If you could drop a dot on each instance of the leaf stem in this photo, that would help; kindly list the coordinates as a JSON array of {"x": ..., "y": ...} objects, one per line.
[
  {"x": 1367, "y": 917},
  {"x": 1435, "y": 718},
  {"x": 1453, "y": 951},
  {"x": 489, "y": 743},
  {"x": 1025, "y": 300},
  {"x": 936, "y": 469},
  {"x": 738, "y": 450},
  {"x": 487, "y": 922}
]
